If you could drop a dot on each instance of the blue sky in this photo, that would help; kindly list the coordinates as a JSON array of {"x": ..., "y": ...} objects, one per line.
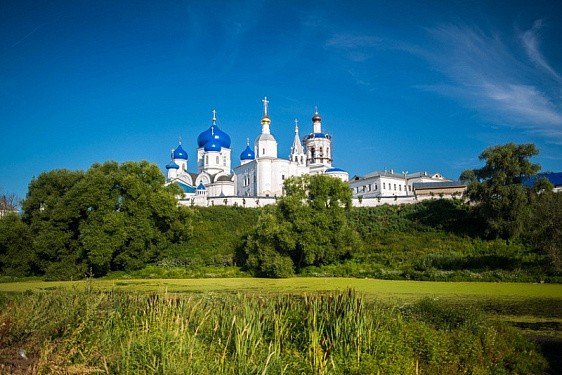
[{"x": 403, "y": 85}]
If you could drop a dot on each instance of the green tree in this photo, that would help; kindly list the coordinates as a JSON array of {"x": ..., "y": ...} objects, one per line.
[
  {"x": 544, "y": 230},
  {"x": 54, "y": 225},
  {"x": 308, "y": 226},
  {"x": 112, "y": 217},
  {"x": 16, "y": 250},
  {"x": 497, "y": 187}
]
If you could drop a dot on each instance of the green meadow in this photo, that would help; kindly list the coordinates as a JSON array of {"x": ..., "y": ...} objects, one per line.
[
  {"x": 533, "y": 307},
  {"x": 278, "y": 326}
]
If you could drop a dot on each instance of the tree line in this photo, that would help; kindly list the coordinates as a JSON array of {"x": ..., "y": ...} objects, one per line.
[
  {"x": 111, "y": 217},
  {"x": 122, "y": 217}
]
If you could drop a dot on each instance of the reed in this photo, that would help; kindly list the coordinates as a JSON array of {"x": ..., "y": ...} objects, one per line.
[{"x": 324, "y": 333}]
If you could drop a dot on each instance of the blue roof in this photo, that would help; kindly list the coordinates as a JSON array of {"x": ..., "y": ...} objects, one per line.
[
  {"x": 554, "y": 178},
  {"x": 213, "y": 133},
  {"x": 186, "y": 188},
  {"x": 179, "y": 153},
  {"x": 213, "y": 145},
  {"x": 247, "y": 154},
  {"x": 201, "y": 186},
  {"x": 172, "y": 165},
  {"x": 333, "y": 170}
]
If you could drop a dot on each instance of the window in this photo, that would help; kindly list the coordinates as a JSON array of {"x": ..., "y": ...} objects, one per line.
[
  {"x": 263, "y": 151},
  {"x": 384, "y": 185},
  {"x": 218, "y": 160},
  {"x": 376, "y": 187},
  {"x": 400, "y": 187},
  {"x": 394, "y": 187},
  {"x": 283, "y": 177}
]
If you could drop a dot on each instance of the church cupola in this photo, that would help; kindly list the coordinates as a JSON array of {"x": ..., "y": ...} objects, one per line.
[
  {"x": 213, "y": 133},
  {"x": 248, "y": 154},
  {"x": 213, "y": 152},
  {"x": 179, "y": 158},
  {"x": 318, "y": 144},
  {"x": 317, "y": 122},
  {"x": 179, "y": 153},
  {"x": 265, "y": 144}
]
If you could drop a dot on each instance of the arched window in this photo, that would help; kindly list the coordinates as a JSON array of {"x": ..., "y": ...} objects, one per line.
[{"x": 218, "y": 160}]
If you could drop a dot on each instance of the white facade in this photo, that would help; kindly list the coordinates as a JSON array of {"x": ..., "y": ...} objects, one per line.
[
  {"x": 390, "y": 184},
  {"x": 213, "y": 176},
  {"x": 261, "y": 172}
]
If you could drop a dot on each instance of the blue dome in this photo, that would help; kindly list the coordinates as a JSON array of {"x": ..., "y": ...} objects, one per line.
[
  {"x": 172, "y": 165},
  {"x": 179, "y": 153},
  {"x": 213, "y": 133},
  {"x": 247, "y": 154},
  {"x": 334, "y": 170},
  {"x": 201, "y": 186},
  {"x": 213, "y": 145}
]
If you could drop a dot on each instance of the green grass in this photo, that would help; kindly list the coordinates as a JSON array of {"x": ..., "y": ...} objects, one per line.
[
  {"x": 518, "y": 303},
  {"x": 80, "y": 328}
]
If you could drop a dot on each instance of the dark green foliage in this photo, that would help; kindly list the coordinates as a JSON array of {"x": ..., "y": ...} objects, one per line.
[
  {"x": 216, "y": 239},
  {"x": 545, "y": 227},
  {"x": 308, "y": 227},
  {"x": 16, "y": 252},
  {"x": 111, "y": 217},
  {"x": 502, "y": 201}
]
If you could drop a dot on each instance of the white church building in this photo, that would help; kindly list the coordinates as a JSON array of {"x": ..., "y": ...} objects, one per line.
[{"x": 259, "y": 178}]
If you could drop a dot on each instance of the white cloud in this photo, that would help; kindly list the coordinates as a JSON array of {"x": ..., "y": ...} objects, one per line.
[
  {"x": 492, "y": 78},
  {"x": 531, "y": 44}
]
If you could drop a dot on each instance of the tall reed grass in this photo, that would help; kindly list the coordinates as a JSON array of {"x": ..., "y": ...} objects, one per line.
[{"x": 91, "y": 331}]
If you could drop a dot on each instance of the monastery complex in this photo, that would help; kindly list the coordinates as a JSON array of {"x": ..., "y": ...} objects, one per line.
[{"x": 259, "y": 177}]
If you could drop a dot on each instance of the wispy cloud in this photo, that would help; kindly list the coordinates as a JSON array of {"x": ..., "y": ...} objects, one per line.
[
  {"x": 530, "y": 42},
  {"x": 487, "y": 72}
]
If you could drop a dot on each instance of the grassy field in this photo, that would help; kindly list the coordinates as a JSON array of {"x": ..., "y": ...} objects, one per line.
[
  {"x": 299, "y": 325},
  {"x": 535, "y": 308}
]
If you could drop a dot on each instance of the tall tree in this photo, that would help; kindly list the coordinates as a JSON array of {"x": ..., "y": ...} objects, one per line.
[
  {"x": 497, "y": 187},
  {"x": 307, "y": 227},
  {"x": 112, "y": 217}
]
